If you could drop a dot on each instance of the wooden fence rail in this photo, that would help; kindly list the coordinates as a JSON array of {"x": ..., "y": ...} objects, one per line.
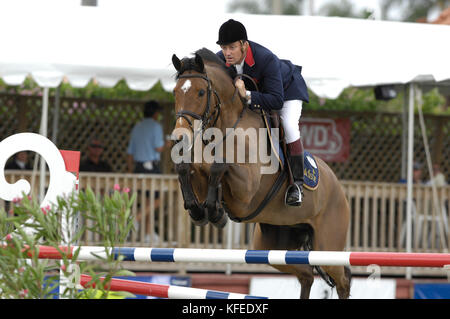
[{"x": 378, "y": 219}]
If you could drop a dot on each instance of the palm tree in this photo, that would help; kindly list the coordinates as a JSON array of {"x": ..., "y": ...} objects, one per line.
[
  {"x": 288, "y": 7},
  {"x": 343, "y": 8},
  {"x": 89, "y": 3},
  {"x": 412, "y": 10}
]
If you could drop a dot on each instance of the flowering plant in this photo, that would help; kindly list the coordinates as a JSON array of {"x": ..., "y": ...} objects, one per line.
[{"x": 26, "y": 226}]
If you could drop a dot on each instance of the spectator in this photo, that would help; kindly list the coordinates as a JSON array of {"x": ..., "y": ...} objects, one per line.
[
  {"x": 438, "y": 177},
  {"x": 20, "y": 162},
  {"x": 144, "y": 156},
  {"x": 146, "y": 142},
  {"x": 94, "y": 162},
  {"x": 417, "y": 173}
]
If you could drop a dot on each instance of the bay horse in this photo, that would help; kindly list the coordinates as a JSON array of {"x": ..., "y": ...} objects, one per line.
[{"x": 215, "y": 191}]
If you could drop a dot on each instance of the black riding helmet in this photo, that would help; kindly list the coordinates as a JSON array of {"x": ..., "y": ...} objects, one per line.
[{"x": 231, "y": 31}]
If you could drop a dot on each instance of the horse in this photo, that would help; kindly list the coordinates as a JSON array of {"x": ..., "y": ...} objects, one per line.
[{"x": 215, "y": 191}]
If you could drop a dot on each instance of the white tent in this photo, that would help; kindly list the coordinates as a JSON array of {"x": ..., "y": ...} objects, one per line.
[
  {"x": 82, "y": 43},
  {"x": 90, "y": 42}
]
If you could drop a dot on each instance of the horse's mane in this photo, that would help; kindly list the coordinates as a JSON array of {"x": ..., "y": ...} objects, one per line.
[{"x": 208, "y": 57}]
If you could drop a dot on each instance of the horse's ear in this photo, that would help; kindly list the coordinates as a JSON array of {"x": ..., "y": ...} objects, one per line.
[
  {"x": 176, "y": 62},
  {"x": 199, "y": 62}
]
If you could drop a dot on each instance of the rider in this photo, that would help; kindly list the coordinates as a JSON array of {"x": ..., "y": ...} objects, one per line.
[{"x": 281, "y": 87}]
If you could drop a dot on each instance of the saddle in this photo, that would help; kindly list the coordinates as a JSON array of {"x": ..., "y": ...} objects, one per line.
[{"x": 310, "y": 171}]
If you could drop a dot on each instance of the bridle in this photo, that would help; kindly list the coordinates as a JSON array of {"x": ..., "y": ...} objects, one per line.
[{"x": 207, "y": 116}]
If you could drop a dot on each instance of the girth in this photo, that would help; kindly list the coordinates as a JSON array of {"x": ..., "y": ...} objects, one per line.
[{"x": 272, "y": 192}]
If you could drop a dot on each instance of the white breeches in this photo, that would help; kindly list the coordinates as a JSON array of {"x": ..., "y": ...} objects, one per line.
[{"x": 290, "y": 115}]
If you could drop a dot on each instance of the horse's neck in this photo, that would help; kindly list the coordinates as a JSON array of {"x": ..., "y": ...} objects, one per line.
[
  {"x": 229, "y": 98},
  {"x": 233, "y": 116}
]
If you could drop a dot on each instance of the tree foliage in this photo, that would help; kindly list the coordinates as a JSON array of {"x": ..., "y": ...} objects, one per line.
[
  {"x": 92, "y": 90},
  {"x": 411, "y": 10},
  {"x": 288, "y": 7},
  {"x": 403, "y": 10}
]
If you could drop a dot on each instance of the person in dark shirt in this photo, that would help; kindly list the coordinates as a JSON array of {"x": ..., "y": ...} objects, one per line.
[
  {"x": 19, "y": 162},
  {"x": 94, "y": 162}
]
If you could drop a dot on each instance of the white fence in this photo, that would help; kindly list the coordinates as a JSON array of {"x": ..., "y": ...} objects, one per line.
[{"x": 378, "y": 220}]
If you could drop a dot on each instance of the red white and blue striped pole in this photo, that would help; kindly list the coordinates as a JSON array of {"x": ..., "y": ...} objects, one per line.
[
  {"x": 164, "y": 291},
  {"x": 271, "y": 257}
]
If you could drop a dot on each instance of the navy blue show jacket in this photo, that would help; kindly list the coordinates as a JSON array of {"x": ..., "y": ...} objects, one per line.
[{"x": 278, "y": 80}]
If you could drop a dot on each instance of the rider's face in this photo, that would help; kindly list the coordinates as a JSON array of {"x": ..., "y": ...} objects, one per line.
[{"x": 233, "y": 52}]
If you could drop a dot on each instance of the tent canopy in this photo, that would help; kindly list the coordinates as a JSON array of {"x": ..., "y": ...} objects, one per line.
[{"x": 84, "y": 43}]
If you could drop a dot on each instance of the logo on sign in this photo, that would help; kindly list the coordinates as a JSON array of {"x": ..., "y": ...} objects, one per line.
[{"x": 329, "y": 139}]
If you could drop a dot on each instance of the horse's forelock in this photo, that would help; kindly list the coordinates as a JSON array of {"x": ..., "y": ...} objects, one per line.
[
  {"x": 208, "y": 57},
  {"x": 188, "y": 64}
]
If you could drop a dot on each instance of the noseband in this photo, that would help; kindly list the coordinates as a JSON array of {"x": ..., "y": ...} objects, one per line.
[{"x": 207, "y": 116}]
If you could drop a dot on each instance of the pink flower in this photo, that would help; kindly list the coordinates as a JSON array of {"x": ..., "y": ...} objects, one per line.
[
  {"x": 16, "y": 200},
  {"x": 116, "y": 187},
  {"x": 126, "y": 190},
  {"x": 23, "y": 293},
  {"x": 45, "y": 209},
  {"x": 8, "y": 237}
]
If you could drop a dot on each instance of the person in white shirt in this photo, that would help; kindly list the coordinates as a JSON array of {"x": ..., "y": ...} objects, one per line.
[{"x": 438, "y": 177}]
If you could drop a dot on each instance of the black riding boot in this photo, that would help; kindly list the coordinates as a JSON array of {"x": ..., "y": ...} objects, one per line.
[{"x": 294, "y": 193}]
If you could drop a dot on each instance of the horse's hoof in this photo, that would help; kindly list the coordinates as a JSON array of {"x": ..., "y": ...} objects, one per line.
[
  {"x": 218, "y": 217},
  {"x": 198, "y": 221},
  {"x": 221, "y": 221}
]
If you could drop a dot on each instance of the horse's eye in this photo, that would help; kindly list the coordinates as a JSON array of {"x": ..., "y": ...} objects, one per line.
[{"x": 201, "y": 92}]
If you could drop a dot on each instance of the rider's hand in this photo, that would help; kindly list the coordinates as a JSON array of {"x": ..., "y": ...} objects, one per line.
[{"x": 241, "y": 87}]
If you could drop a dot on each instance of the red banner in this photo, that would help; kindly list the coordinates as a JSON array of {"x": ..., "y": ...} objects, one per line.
[{"x": 328, "y": 139}]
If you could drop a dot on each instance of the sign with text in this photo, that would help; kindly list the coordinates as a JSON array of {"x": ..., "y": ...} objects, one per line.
[{"x": 328, "y": 139}]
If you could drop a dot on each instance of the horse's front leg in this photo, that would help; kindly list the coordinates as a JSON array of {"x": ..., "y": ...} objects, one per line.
[
  {"x": 197, "y": 211},
  {"x": 216, "y": 213}
]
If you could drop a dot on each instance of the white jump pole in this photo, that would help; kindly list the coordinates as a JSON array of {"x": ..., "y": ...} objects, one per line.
[{"x": 409, "y": 175}]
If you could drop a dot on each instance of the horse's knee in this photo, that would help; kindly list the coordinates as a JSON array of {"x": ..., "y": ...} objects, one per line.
[
  {"x": 218, "y": 168},
  {"x": 213, "y": 204},
  {"x": 182, "y": 168}
]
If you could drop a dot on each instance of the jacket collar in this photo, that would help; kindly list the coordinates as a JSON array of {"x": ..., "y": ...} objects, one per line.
[{"x": 249, "y": 57}]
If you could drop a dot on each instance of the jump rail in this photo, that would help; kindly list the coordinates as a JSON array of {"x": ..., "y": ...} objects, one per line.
[
  {"x": 164, "y": 291},
  {"x": 271, "y": 257}
]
